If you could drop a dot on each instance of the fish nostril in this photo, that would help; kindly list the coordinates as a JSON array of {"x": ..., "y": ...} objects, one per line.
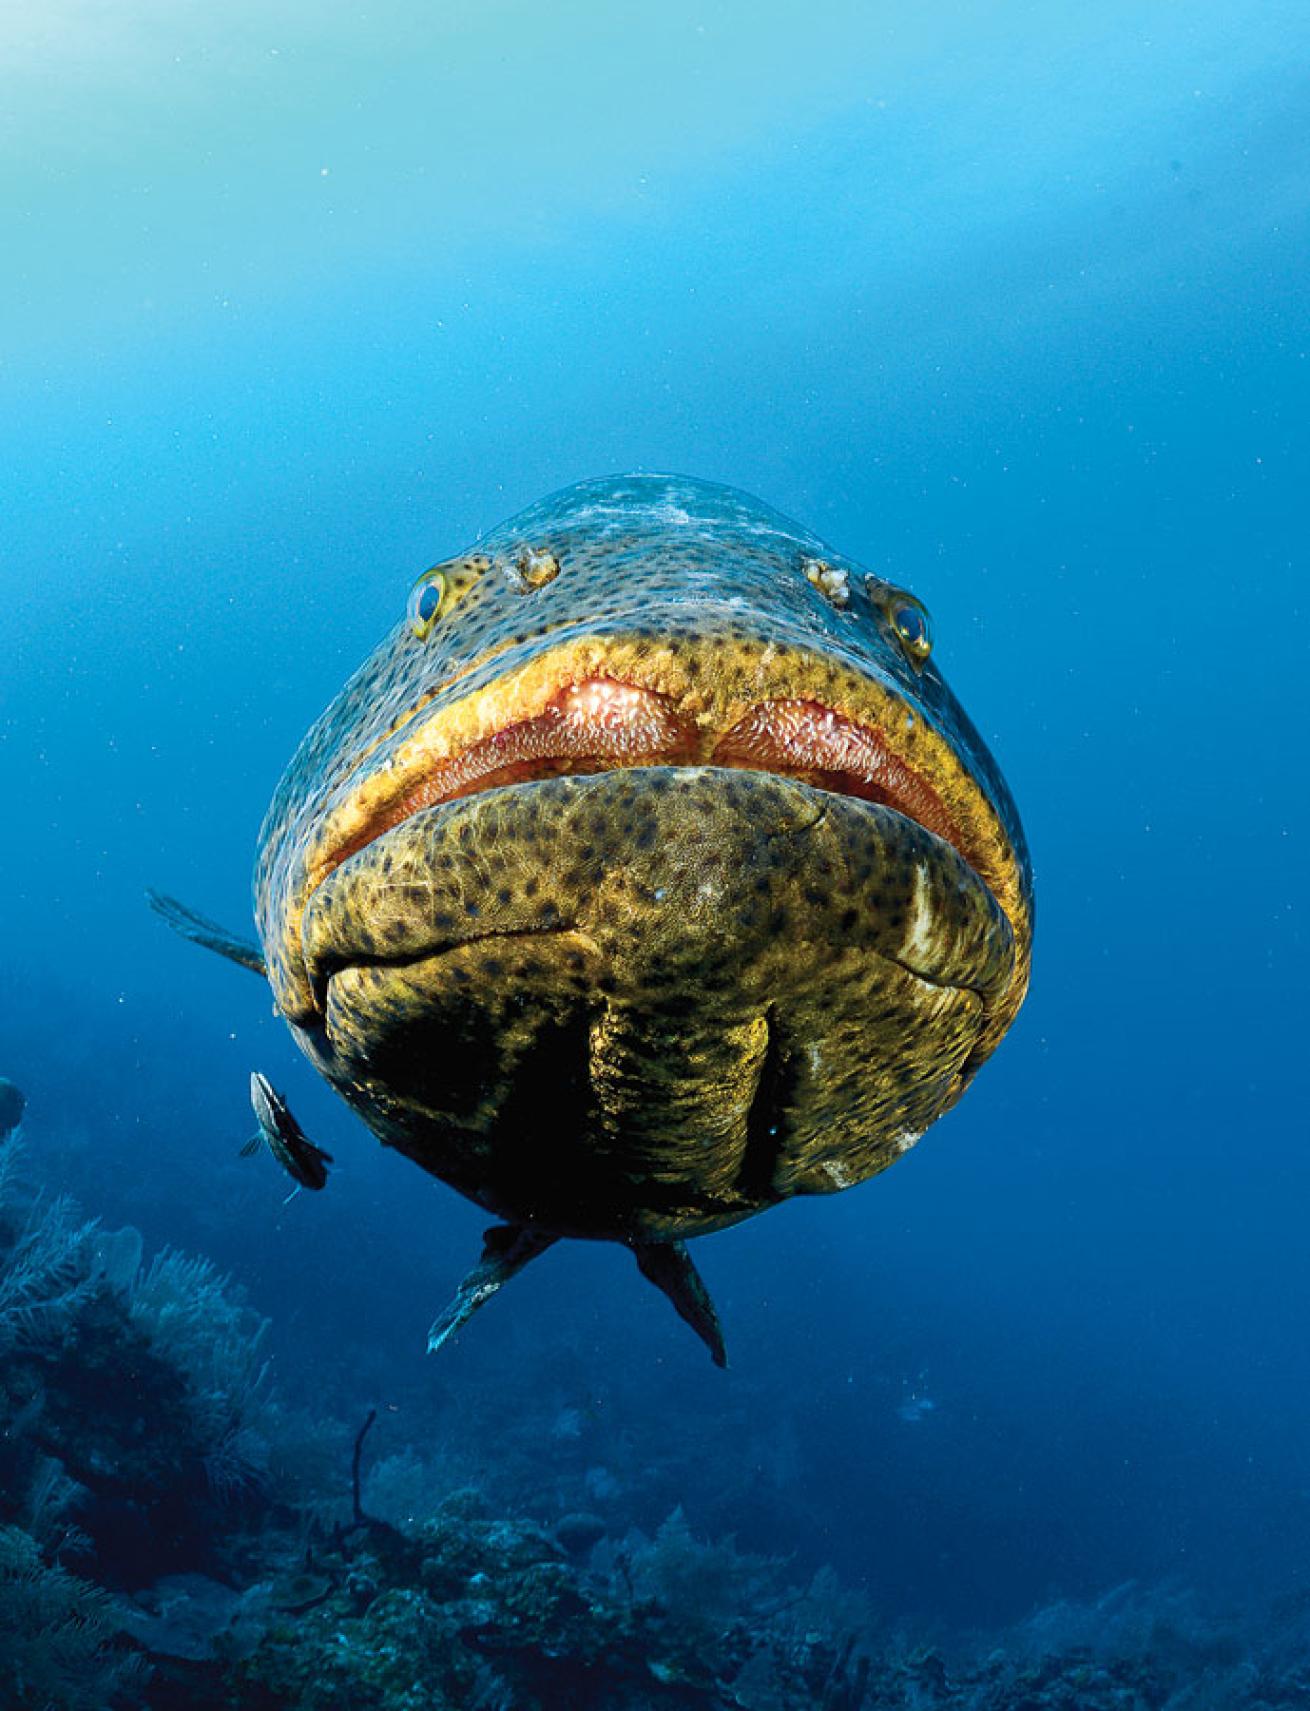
[
  {"x": 830, "y": 580},
  {"x": 529, "y": 569}
]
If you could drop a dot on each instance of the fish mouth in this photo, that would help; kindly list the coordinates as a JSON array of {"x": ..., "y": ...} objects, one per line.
[
  {"x": 602, "y": 724},
  {"x": 599, "y": 705}
]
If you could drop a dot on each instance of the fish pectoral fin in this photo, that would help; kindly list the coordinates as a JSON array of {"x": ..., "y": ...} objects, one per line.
[
  {"x": 669, "y": 1267},
  {"x": 251, "y": 1147},
  {"x": 506, "y": 1249},
  {"x": 202, "y": 931}
]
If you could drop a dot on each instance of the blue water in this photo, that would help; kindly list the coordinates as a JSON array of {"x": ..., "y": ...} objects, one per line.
[{"x": 1008, "y": 302}]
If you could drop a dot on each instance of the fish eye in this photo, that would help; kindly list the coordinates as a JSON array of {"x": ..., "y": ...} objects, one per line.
[
  {"x": 425, "y": 602},
  {"x": 906, "y": 617},
  {"x": 912, "y": 627}
]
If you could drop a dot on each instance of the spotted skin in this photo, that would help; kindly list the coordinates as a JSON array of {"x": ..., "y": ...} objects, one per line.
[{"x": 651, "y": 996}]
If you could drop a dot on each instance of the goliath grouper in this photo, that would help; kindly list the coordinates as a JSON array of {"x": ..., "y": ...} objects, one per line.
[{"x": 646, "y": 875}]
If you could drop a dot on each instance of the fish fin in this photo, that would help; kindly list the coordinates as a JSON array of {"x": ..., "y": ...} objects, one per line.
[
  {"x": 311, "y": 1164},
  {"x": 202, "y": 931},
  {"x": 669, "y": 1267},
  {"x": 506, "y": 1249},
  {"x": 251, "y": 1147}
]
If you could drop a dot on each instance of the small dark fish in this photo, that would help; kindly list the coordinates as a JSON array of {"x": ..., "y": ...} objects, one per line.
[{"x": 303, "y": 1162}]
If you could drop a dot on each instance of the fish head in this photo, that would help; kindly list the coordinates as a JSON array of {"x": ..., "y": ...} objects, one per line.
[{"x": 653, "y": 828}]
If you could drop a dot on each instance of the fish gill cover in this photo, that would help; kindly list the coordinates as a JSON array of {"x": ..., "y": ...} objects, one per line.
[{"x": 1007, "y": 309}]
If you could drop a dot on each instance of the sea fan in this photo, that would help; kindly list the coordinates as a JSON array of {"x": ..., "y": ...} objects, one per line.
[
  {"x": 701, "y": 1586},
  {"x": 44, "y": 1273},
  {"x": 59, "y": 1636},
  {"x": 196, "y": 1322}
]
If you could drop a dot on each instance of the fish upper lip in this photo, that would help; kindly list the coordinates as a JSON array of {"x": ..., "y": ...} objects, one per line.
[
  {"x": 559, "y": 633},
  {"x": 605, "y": 724}
]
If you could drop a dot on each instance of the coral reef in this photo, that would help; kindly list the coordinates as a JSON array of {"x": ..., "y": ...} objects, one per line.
[
  {"x": 471, "y": 1609},
  {"x": 171, "y": 1534},
  {"x": 131, "y": 1403},
  {"x": 474, "y": 1609}
]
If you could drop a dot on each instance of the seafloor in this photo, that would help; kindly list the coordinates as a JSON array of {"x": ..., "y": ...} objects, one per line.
[{"x": 173, "y": 1534}]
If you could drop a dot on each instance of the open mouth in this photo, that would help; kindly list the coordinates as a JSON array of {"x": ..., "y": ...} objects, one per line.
[{"x": 600, "y": 724}]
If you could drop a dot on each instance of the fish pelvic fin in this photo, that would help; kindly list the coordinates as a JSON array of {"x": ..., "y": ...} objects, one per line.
[
  {"x": 669, "y": 1267},
  {"x": 202, "y": 931},
  {"x": 506, "y": 1249}
]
